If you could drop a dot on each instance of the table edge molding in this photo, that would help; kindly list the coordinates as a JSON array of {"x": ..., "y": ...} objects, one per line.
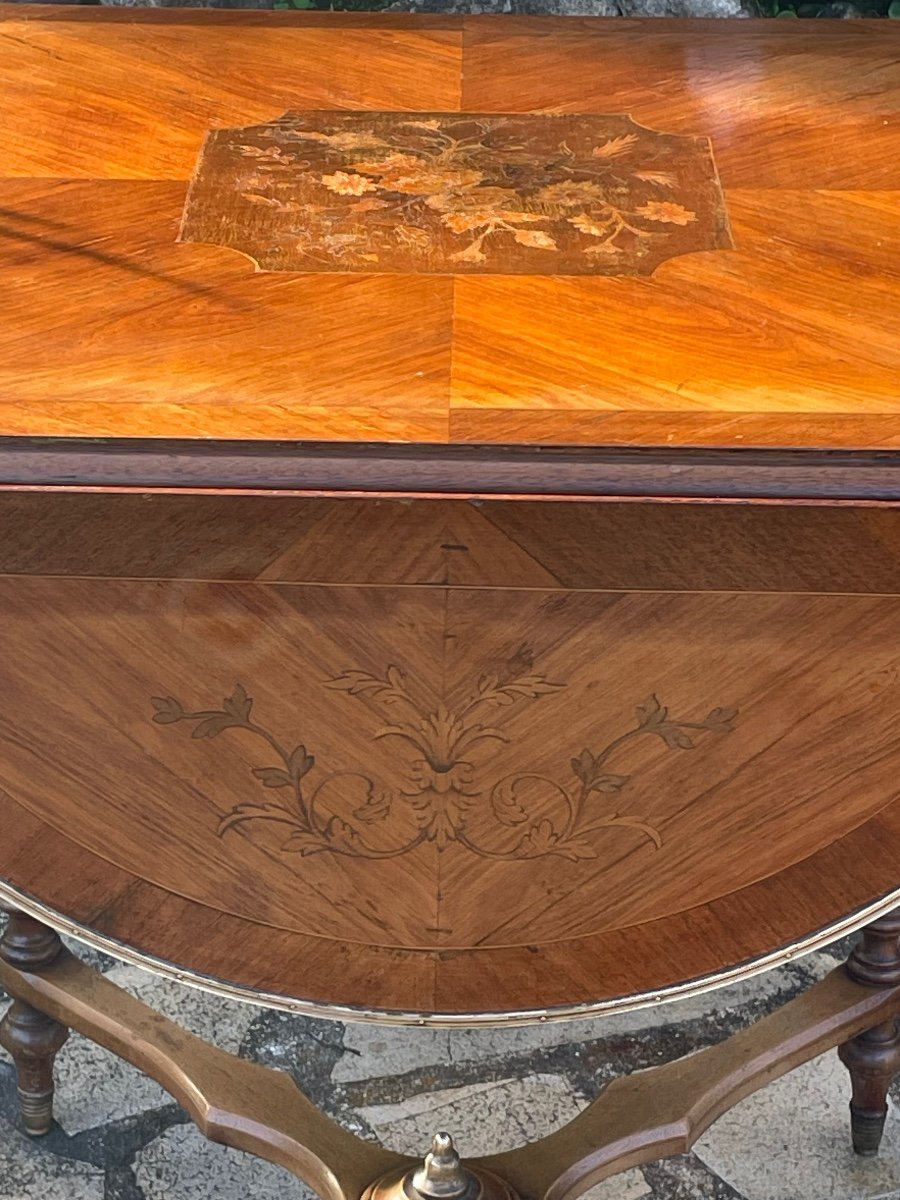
[
  {"x": 463, "y": 471},
  {"x": 816, "y": 940}
]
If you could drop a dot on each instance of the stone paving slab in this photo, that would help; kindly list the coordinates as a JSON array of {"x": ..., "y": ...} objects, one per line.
[
  {"x": 26, "y": 1172},
  {"x": 801, "y": 1121},
  {"x": 182, "y": 1165},
  {"x": 524, "y": 1109},
  {"x": 371, "y": 1049}
]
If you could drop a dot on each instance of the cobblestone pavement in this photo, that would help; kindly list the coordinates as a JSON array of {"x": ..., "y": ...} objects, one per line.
[
  {"x": 571, "y": 8},
  {"x": 119, "y": 1136}
]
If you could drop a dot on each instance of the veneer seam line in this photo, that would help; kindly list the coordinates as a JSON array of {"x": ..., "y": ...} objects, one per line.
[{"x": 357, "y": 585}]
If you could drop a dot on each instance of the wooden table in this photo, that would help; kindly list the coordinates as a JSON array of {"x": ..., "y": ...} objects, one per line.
[{"x": 449, "y": 563}]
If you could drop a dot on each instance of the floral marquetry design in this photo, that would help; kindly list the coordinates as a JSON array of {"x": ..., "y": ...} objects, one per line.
[
  {"x": 399, "y": 192},
  {"x": 340, "y": 808}
]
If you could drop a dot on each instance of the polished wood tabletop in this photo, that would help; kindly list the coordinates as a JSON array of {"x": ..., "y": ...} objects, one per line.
[
  {"x": 449, "y": 230},
  {"x": 346, "y": 743}
]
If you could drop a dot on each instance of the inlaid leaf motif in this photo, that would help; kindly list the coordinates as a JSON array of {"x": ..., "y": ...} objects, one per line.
[
  {"x": 588, "y": 769},
  {"x": 168, "y": 710},
  {"x": 355, "y": 682},
  {"x": 375, "y": 809},
  {"x": 301, "y": 763},
  {"x": 272, "y": 777},
  {"x": 650, "y": 712},
  {"x": 528, "y": 686},
  {"x": 390, "y": 689},
  {"x": 213, "y": 725},
  {"x": 337, "y": 830},
  {"x": 514, "y": 681},
  {"x": 616, "y": 146},
  {"x": 721, "y": 719},
  {"x": 256, "y": 198},
  {"x": 506, "y": 806},
  {"x": 585, "y": 767},
  {"x": 661, "y": 178},
  {"x": 238, "y": 704},
  {"x": 676, "y": 738},
  {"x": 609, "y": 783},
  {"x": 536, "y": 238},
  {"x": 540, "y": 839}
]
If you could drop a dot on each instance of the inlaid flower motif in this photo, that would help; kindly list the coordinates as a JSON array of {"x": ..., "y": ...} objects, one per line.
[
  {"x": 589, "y": 225},
  {"x": 570, "y": 193},
  {"x": 348, "y": 185},
  {"x": 666, "y": 211},
  {"x": 426, "y": 183}
]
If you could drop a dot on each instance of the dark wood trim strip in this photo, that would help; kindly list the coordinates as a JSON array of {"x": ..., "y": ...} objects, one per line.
[{"x": 390, "y": 469}]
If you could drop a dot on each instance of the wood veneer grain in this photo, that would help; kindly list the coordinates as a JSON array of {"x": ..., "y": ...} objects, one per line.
[
  {"x": 779, "y": 341},
  {"x": 743, "y": 767},
  {"x": 685, "y": 547}
]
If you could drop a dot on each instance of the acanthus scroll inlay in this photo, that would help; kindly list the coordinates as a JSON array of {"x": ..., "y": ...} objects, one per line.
[
  {"x": 532, "y": 193},
  {"x": 345, "y": 811}
]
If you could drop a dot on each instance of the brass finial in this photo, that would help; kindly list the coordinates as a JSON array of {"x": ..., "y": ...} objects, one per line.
[{"x": 442, "y": 1176}]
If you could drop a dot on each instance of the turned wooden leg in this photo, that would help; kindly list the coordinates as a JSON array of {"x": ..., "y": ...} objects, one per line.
[
  {"x": 31, "y": 1038},
  {"x": 873, "y": 1057}
]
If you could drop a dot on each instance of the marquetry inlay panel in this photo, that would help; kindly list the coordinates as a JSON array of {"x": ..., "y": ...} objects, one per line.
[
  {"x": 530, "y": 194},
  {"x": 440, "y": 768}
]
